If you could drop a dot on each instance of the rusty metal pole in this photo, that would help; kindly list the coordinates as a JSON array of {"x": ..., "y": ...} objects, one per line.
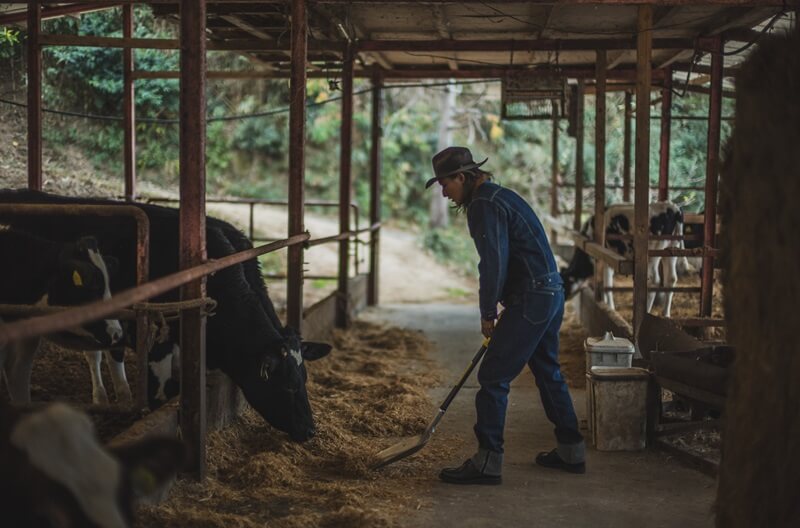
[
  {"x": 641, "y": 199},
  {"x": 554, "y": 175},
  {"x": 712, "y": 174},
  {"x": 626, "y": 154},
  {"x": 34, "y": 97},
  {"x": 600, "y": 166},
  {"x": 579, "y": 129},
  {"x": 129, "y": 106},
  {"x": 375, "y": 189},
  {"x": 666, "y": 131},
  {"x": 297, "y": 165},
  {"x": 193, "y": 227},
  {"x": 345, "y": 186}
]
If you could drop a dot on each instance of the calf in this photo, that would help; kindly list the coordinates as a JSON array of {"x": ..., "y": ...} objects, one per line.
[
  {"x": 665, "y": 219},
  {"x": 245, "y": 339},
  {"x": 56, "y": 473},
  {"x": 37, "y": 271}
]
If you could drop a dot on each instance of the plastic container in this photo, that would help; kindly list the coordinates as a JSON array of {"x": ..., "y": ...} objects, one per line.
[
  {"x": 618, "y": 408},
  {"x": 608, "y": 351}
]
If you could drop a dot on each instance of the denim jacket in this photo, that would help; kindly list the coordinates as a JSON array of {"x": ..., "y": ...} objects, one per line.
[{"x": 512, "y": 245}]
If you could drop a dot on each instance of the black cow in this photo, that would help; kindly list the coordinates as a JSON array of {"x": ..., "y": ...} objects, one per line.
[
  {"x": 38, "y": 271},
  {"x": 665, "y": 219},
  {"x": 55, "y": 472},
  {"x": 245, "y": 339}
]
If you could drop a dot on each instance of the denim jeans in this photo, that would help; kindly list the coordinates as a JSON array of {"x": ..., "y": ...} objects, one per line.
[{"x": 527, "y": 332}]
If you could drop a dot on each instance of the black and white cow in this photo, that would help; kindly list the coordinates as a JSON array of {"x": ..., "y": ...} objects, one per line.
[
  {"x": 666, "y": 218},
  {"x": 37, "y": 271},
  {"x": 245, "y": 338},
  {"x": 56, "y": 473}
]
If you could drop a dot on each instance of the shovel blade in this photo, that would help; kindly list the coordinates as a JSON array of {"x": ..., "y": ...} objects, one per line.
[{"x": 400, "y": 450}]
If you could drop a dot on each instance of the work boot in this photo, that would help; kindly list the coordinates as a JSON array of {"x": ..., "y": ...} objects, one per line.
[
  {"x": 553, "y": 460},
  {"x": 483, "y": 468}
]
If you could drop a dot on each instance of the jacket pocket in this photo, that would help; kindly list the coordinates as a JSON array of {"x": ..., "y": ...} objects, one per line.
[{"x": 538, "y": 305}]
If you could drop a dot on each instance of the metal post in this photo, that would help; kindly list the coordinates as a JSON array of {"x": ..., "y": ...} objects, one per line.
[
  {"x": 666, "y": 129},
  {"x": 644, "y": 41},
  {"x": 34, "y": 97},
  {"x": 193, "y": 227},
  {"x": 375, "y": 190},
  {"x": 712, "y": 173},
  {"x": 345, "y": 185},
  {"x": 554, "y": 175},
  {"x": 600, "y": 166},
  {"x": 129, "y": 106},
  {"x": 297, "y": 141},
  {"x": 579, "y": 129},
  {"x": 626, "y": 155}
]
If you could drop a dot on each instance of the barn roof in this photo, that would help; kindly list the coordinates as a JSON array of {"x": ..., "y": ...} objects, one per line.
[{"x": 474, "y": 38}]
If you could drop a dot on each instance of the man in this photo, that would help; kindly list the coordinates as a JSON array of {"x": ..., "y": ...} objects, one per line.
[{"x": 517, "y": 269}]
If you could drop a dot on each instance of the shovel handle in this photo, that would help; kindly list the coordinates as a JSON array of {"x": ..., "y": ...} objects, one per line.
[{"x": 464, "y": 376}]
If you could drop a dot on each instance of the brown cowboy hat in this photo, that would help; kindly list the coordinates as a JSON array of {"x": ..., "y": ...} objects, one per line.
[{"x": 452, "y": 160}]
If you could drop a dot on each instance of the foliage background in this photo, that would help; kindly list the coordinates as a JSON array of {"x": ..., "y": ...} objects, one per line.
[{"x": 247, "y": 136}]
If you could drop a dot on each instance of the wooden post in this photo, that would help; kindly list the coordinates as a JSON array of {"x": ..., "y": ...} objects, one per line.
[
  {"x": 34, "y": 97},
  {"x": 129, "y": 106},
  {"x": 345, "y": 185},
  {"x": 193, "y": 227},
  {"x": 666, "y": 130},
  {"x": 579, "y": 128},
  {"x": 554, "y": 176},
  {"x": 297, "y": 140},
  {"x": 599, "y": 166},
  {"x": 644, "y": 42},
  {"x": 626, "y": 155},
  {"x": 712, "y": 175},
  {"x": 375, "y": 189}
]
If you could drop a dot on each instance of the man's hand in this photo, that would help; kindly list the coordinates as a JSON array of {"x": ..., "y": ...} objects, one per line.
[{"x": 487, "y": 327}]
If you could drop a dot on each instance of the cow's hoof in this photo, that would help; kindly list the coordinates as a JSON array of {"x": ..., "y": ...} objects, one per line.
[
  {"x": 99, "y": 397},
  {"x": 124, "y": 396}
]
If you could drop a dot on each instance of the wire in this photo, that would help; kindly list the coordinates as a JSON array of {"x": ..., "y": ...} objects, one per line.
[
  {"x": 257, "y": 114},
  {"x": 757, "y": 38}
]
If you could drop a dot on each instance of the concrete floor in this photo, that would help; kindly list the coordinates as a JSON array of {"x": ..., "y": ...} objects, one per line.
[{"x": 620, "y": 489}]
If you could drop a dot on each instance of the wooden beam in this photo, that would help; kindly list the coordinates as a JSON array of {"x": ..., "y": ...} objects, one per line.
[
  {"x": 609, "y": 257},
  {"x": 345, "y": 189},
  {"x": 712, "y": 173},
  {"x": 192, "y": 248},
  {"x": 443, "y": 30},
  {"x": 579, "y": 130},
  {"x": 297, "y": 141},
  {"x": 666, "y": 130},
  {"x": 554, "y": 175},
  {"x": 642, "y": 176},
  {"x": 129, "y": 107},
  {"x": 587, "y": 44},
  {"x": 600, "y": 164},
  {"x": 376, "y": 133},
  {"x": 34, "y": 97},
  {"x": 53, "y": 12},
  {"x": 626, "y": 154}
]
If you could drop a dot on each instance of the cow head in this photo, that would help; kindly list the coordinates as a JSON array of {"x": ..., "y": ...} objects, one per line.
[
  {"x": 56, "y": 473},
  {"x": 575, "y": 275},
  {"x": 83, "y": 276},
  {"x": 278, "y": 388}
]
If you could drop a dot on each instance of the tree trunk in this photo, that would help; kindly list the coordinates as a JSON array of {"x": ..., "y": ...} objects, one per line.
[{"x": 439, "y": 204}]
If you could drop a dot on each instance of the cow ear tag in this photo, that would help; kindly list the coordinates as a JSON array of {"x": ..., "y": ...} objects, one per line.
[{"x": 76, "y": 278}]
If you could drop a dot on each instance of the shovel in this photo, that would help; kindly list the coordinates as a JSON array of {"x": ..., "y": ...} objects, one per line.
[{"x": 409, "y": 446}]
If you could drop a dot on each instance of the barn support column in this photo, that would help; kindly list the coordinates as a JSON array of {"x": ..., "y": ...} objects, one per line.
[
  {"x": 297, "y": 141},
  {"x": 626, "y": 154},
  {"x": 345, "y": 185},
  {"x": 193, "y": 227},
  {"x": 712, "y": 175},
  {"x": 644, "y": 45},
  {"x": 579, "y": 128},
  {"x": 129, "y": 106},
  {"x": 600, "y": 167},
  {"x": 666, "y": 132},
  {"x": 554, "y": 176},
  {"x": 375, "y": 189},
  {"x": 34, "y": 97}
]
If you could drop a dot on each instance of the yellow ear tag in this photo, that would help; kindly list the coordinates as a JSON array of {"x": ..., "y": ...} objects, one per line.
[{"x": 76, "y": 279}]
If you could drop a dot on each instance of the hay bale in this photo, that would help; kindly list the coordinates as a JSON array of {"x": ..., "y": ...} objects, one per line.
[{"x": 760, "y": 472}]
